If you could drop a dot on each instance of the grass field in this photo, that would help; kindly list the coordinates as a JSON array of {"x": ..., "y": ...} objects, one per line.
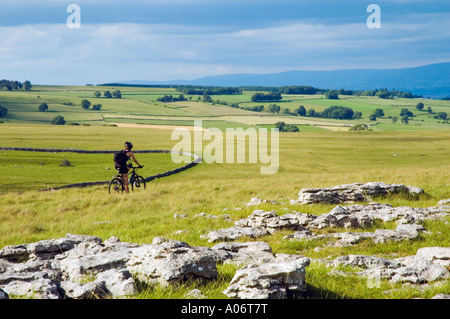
[
  {"x": 317, "y": 157},
  {"x": 141, "y": 105}
]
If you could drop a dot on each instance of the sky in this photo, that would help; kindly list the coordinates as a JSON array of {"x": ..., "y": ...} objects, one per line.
[{"x": 159, "y": 40}]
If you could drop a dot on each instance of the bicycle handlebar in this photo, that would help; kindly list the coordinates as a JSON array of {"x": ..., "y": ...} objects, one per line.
[{"x": 131, "y": 166}]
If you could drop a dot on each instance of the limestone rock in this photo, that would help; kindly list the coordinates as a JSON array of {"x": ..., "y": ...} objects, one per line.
[
  {"x": 89, "y": 258},
  {"x": 276, "y": 280},
  {"x": 234, "y": 233},
  {"x": 30, "y": 285},
  {"x": 437, "y": 255},
  {"x": 170, "y": 262},
  {"x": 412, "y": 269},
  {"x": 90, "y": 290},
  {"x": 363, "y": 261},
  {"x": 355, "y": 192},
  {"x": 258, "y": 201},
  {"x": 118, "y": 282},
  {"x": 341, "y": 217},
  {"x": 245, "y": 253}
]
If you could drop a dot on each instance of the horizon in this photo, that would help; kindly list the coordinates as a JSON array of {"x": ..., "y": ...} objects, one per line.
[
  {"x": 100, "y": 41},
  {"x": 331, "y": 70}
]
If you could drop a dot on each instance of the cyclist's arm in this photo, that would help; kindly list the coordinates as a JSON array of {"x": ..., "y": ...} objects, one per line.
[{"x": 135, "y": 160}]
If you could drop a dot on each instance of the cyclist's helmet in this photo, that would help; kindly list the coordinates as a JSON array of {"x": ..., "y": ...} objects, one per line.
[{"x": 129, "y": 145}]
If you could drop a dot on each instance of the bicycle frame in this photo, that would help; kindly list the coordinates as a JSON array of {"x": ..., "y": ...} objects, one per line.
[{"x": 132, "y": 175}]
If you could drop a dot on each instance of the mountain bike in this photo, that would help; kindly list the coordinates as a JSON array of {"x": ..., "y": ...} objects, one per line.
[{"x": 136, "y": 181}]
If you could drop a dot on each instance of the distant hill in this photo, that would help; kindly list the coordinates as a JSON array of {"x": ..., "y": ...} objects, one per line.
[{"x": 430, "y": 80}]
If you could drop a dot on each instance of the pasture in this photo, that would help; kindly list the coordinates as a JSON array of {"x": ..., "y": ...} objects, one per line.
[{"x": 141, "y": 105}]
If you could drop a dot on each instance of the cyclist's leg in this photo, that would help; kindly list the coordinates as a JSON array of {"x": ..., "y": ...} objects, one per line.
[{"x": 125, "y": 181}]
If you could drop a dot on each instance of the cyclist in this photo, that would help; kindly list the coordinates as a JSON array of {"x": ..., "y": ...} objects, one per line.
[{"x": 122, "y": 165}]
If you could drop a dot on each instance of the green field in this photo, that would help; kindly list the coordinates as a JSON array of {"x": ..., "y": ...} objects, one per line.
[
  {"x": 140, "y": 105},
  {"x": 410, "y": 154}
]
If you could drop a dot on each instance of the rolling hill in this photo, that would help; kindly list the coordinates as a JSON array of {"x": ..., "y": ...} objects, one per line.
[{"x": 430, "y": 80}]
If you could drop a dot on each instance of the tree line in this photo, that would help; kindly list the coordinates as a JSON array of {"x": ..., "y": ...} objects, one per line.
[
  {"x": 209, "y": 90},
  {"x": 170, "y": 98},
  {"x": 15, "y": 85},
  {"x": 383, "y": 93},
  {"x": 333, "y": 112},
  {"x": 262, "y": 97},
  {"x": 117, "y": 94}
]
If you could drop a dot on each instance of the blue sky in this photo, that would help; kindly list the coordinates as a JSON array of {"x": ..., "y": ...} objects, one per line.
[{"x": 174, "y": 39}]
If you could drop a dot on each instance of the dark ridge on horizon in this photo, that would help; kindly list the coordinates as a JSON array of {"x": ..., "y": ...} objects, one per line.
[{"x": 432, "y": 80}]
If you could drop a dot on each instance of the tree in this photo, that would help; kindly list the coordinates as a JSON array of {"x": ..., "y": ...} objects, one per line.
[
  {"x": 283, "y": 127},
  {"x": 420, "y": 106},
  {"x": 379, "y": 113},
  {"x": 97, "y": 94},
  {"x": 405, "y": 119},
  {"x": 43, "y": 107},
  {"x": 117, "y": 94},
  {"x": 311, "y": 112},
  {"x": 280, "y": 125},
  {"x": 273, "y": 108},
  {"x": 301, "y": 110},
  {"x": 27, "y": 85},
  {"x": 85, "y": 104},
  {"x": 441, "y": 116},
  {"x": 386, "y": 95},
  {"x": 165, "y": 98},
  {"x": 373, "y": 117},
  {"x": 406, "y": 112},
  {"x": 291, "y": 128},
  {"x": 3, "y": 111},
  {"x": 429, "y": 110},
  {"x": 96, "y": 107},
  {"x": 207, "y": 98},
  {"x": 332, "y": 95},
  {"x": 259, "y": 97},
  {"x": 107, "y": 94},
  {"x": 394, "y": 119},
  {"x": 58, "y": 120},
  {"x": 357, "y": 115},
  {"x": 338, "y": 112}
]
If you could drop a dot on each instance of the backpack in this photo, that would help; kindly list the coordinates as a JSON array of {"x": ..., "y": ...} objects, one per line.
[{"x": 120, "y": 157}]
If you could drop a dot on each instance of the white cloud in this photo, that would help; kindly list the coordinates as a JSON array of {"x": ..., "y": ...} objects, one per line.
[{"x": 98, "y": 53}]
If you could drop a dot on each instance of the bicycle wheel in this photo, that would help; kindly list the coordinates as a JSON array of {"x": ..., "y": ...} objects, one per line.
[
  {"x": 116, "y": 186},
  {"x": 138, "y": 183}
]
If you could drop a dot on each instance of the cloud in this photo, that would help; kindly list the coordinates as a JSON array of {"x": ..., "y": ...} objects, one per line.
[{"x": 51, "y": 53}]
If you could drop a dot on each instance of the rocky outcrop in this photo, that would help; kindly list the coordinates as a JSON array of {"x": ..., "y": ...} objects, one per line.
[
  {"x": 412, "y": 269},
  {"x": 96, "y": 269},
  {"x": 409, "y": 223},
  {"x": 85, "y": 267},
  {"x": 355, "y": 192},
  {"x": 172, "y": 261},
  {"x": 81, "y": 267},
  {"x": 234, "y": 233},
  {"x": 274, "y": 280}
]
